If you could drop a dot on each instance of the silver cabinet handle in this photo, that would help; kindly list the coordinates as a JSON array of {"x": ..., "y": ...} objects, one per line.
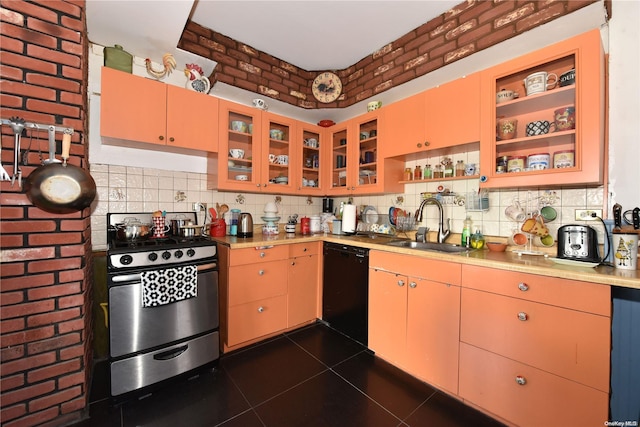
[
  {"x": 523, "y": 287},
  {"x": 413, "y": 284},
  {"x": 261, "y": 272},
  {"x": 260, "y": 309},
  {"x": 523, "y": 316},
  {"x": 258, "y": 185},
  {"x": 262, "y": 254},
  {"x": 521, "y": 380},
  {"x": 400, "y": 282}
]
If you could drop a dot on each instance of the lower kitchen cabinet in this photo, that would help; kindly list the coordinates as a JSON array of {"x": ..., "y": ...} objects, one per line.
[
  {"x": 303, "y": 283},
  {"x": 414, "y": 315},
  {"x": 535, "y": 350}
]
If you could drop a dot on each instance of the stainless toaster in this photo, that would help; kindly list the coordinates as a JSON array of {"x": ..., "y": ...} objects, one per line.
[{"x": 578, "y": 242}]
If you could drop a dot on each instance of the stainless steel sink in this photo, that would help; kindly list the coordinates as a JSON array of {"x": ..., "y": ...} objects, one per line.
[{"x": 429, "y": 246}]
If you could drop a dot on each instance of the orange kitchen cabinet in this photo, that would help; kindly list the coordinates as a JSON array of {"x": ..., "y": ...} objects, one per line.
[
  {"x": 445, "y": 116},
  {"x": 362, "y": 170},
  {"x": 584, "y": 54},
  {"x": 414, "y": 320},
  {"x": 256, "y": 319},
  {"x": 257, "y": 281},
  {"x": 527, "y": 396},
  {"x": 310, "y": 159},
  {"x": 303, "y": 283},
  {"x": 259, "y": 254},
  {"x": 569, "y": 343},
  {"x": 134, "y": 108}
]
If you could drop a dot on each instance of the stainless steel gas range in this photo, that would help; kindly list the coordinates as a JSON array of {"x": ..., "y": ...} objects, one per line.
[{"x": 163, "y": 305}]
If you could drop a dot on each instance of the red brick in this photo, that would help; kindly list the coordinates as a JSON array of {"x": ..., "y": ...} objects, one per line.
[
  {"x": 54, "y": 265},
  {"x": 28, "y": 335},
  {"x": 71, "y": 326},
  {"x": 7, "y": 212},
  {"x": 39, "y": 418},
  {"x": 36, "y": 213},
  {"x": 53, "y": 82},
  {"x": 10, "y": 73},
  {"x": 26, "y": 35},
  {"x": 10, "y": 101},
  {"x": 54, "y": 30},
  {"x": 28, "y": 392},
  {"x": 25, "y": 282},
  {"x": 67, "y": 381},
  {"x": 32, "y": 9},
  {"x": 496, "y": 10},
  {"x": 25, "y": 254},
  {"x": 11, "y": 44},
  {"x": 52, "y": 317},
  {"x": 11, "y": 412},
  {"x": 71, "y": 275},
  {"x": 11, "y": 325},
  {"x": 66, "y": 7},
  {"x": 496, "y": 37},
  {"x": 73, "y": 405},
  {"x": 9, "y": 298},
  {"x": 11, "y": 353},
  {"x": 475, "y": 34},
  {"x": 18, "y": 310},
  {"x": 18, "y": 88},
  {"x": 26, "y": 62},
  {"x": 56, "y": 370},
  {"x": 517, "y": 14},
  {"x": 71, "y": 352},
  {"x": 27, "y": 226},
  {"x": 11, "y": 16},
  {"x": 53, "y": 291},
  {"x": 540, "y": 17},
  {"x": 10, "y": 382},
  {"x": 52, "y": 107},
  {"x": 54, "y": 399}
]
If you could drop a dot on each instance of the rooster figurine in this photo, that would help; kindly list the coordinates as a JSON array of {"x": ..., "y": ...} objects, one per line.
[
  {"x": 169, "y": 63},
  {"x": 196, "y": 80}
]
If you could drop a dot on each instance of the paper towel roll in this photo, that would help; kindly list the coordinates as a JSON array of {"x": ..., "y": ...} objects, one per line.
[{"x": 349, "y": 219}]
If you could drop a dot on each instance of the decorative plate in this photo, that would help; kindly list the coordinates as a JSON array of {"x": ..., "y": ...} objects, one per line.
[{"x": 370, "y": 215}]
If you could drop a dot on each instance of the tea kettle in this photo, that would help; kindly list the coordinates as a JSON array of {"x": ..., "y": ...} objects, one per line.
[{"x": 245, "y": 225}]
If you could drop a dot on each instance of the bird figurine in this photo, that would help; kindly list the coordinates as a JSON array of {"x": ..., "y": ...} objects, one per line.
[
  {"x": 169, "y": 63},
  {"x": 196, "y": 80}
]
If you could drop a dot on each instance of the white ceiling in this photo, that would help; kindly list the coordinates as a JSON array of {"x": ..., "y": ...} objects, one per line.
[{"x": 310, "y": 34}]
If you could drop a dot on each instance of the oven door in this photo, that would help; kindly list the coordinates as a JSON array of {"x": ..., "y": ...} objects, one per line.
[{"x": 134, "y": 328}]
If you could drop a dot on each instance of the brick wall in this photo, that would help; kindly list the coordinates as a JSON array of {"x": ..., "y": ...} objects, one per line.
[
  {"x": 45, "y": 318},
  {"x": 471, "y": 26}
]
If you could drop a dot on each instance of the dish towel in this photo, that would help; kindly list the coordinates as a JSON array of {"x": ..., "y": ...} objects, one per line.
[{"x": 169, "y": 285}]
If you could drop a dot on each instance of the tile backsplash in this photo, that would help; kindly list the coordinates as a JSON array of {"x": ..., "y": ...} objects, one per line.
[{"x": 130, "y": 189}]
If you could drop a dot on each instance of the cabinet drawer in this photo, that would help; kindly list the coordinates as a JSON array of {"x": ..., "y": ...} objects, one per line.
[
  {"x": 438, "y": 271},
  {"x": 257, "y": 281},
  {"x": 258, "y": 254},
  {"x": 301, "y": 249},
  {"x": 255, "y": 319},
  {"x": 568, "y": 343},
  {"x": 573, "y": 294},
  {"x": 489, "y": 381}
]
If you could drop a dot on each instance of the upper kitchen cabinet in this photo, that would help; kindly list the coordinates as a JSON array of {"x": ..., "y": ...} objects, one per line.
[
  {"x": 356, "y": 166},
  {"x": 138, "y": 109},
  {"x": 552, "y": 134},
  {"x": 256, "y": 150},
  {"x": 445, "y": 116},
  {"x": 310, "y": 159}
]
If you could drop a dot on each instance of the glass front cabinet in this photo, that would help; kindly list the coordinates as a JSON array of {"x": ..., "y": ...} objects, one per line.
[{"x": 543, "y": 117}]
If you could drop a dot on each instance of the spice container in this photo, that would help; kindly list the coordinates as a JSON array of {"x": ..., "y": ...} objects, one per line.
[
  {"x": 460, "y": 168},
  {"x": 563, "y": 159},
  {"x": 516, "y": 163},
  {"x": 438, "y": 172},
  {"x": 417, "y": 174},
  {"x": 448, "y": 167},
  {"x": 408, "y": 175},
  {"x": 428, "y": 172}
]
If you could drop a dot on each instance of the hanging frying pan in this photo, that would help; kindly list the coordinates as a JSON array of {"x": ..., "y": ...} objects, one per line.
[{"x": 60, "y": 187}]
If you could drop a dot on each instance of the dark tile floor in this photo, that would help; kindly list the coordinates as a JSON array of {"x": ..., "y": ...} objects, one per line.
[{"x": 310, "y": 377}]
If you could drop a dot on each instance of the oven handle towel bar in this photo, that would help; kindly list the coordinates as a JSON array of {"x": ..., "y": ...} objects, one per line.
[
  {"x": 171, "y": 354},
  {"x": 136, "y": 277}
]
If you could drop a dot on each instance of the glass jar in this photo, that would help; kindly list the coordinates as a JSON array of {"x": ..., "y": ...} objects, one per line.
[
  {"x": 448, "y": 168},
  {"x": 417, "y": 174},
  {"x": 408, "y": 175},
  {"x": 428, "y": 172},
  {"x": 460, "y": 168},
  {"x": 438, "y": 172}
]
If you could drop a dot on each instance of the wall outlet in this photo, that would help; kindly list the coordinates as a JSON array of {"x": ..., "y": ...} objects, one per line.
[
  {"x": 588, "y": 214},
  {"x": 199, "y": 207}
]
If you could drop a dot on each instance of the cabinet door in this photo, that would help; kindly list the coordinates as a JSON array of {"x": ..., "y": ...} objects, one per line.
[
  {"x": 388, "y": 315},
  {"x": 302, "y": 296},
  {"x": 404, "y": 124},
  {"x": 257, "y": 281},
  {"x": 337, "y": 177},
  {"x": 527, "y": 396},
  {"x": 278, "y": 157},
  {"x": 311, "y": 159},
  {"x": 433, "y": 323},
  {"x": 240, "y": 128},
  {"x": 453, "y": 113},
  {"x": 584, "y": 141},
  {"x": 364, "y": 169},
  {"x": 192, "y": 119},
  {"x": 132, "y": 108},
  {"x": 256, "y": 319}
]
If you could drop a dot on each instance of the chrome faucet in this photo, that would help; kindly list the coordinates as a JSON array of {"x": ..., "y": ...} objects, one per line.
[{"x": 442, "y": 233}]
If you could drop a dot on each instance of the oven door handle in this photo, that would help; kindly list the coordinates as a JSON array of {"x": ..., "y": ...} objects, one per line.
[
  {"x": 171, "y": 354},
  {"x": 137, "y": 277}
]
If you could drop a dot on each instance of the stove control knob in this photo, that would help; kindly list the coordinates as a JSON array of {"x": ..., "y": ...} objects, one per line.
[
  {"x": 178, "y": 254},
  {"x": 153, "y": 256},
  {"x": 166, "y": 255},
  {"x": 126, "y": 259},
  {"x": 191, "y": 252}
]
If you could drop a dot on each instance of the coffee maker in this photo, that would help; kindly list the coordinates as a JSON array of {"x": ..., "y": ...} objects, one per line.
[{"x": 327, "y": 205}]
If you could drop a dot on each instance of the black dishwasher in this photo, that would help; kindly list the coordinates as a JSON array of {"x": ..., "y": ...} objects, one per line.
[{"x": 345, "y": 290}]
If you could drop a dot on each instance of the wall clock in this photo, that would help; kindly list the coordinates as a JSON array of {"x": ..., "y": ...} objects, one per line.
[{"x": 326, "y": 87}]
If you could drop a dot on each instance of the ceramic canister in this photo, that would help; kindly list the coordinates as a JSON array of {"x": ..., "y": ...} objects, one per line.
[
  {"x": 563, "y": 159},
  {"x": 538, "y": 161},
  {"x": 625, "y": 251},
  {"x": 516, "y": 163}
]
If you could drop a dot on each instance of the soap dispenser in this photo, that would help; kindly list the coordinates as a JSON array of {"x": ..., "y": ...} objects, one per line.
[
  {"x": 466, "y": 233},
  {"x": 477, "y": 240}
]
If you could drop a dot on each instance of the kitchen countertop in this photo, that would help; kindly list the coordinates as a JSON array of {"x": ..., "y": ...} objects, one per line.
[{"x": 534, "y": 264}]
